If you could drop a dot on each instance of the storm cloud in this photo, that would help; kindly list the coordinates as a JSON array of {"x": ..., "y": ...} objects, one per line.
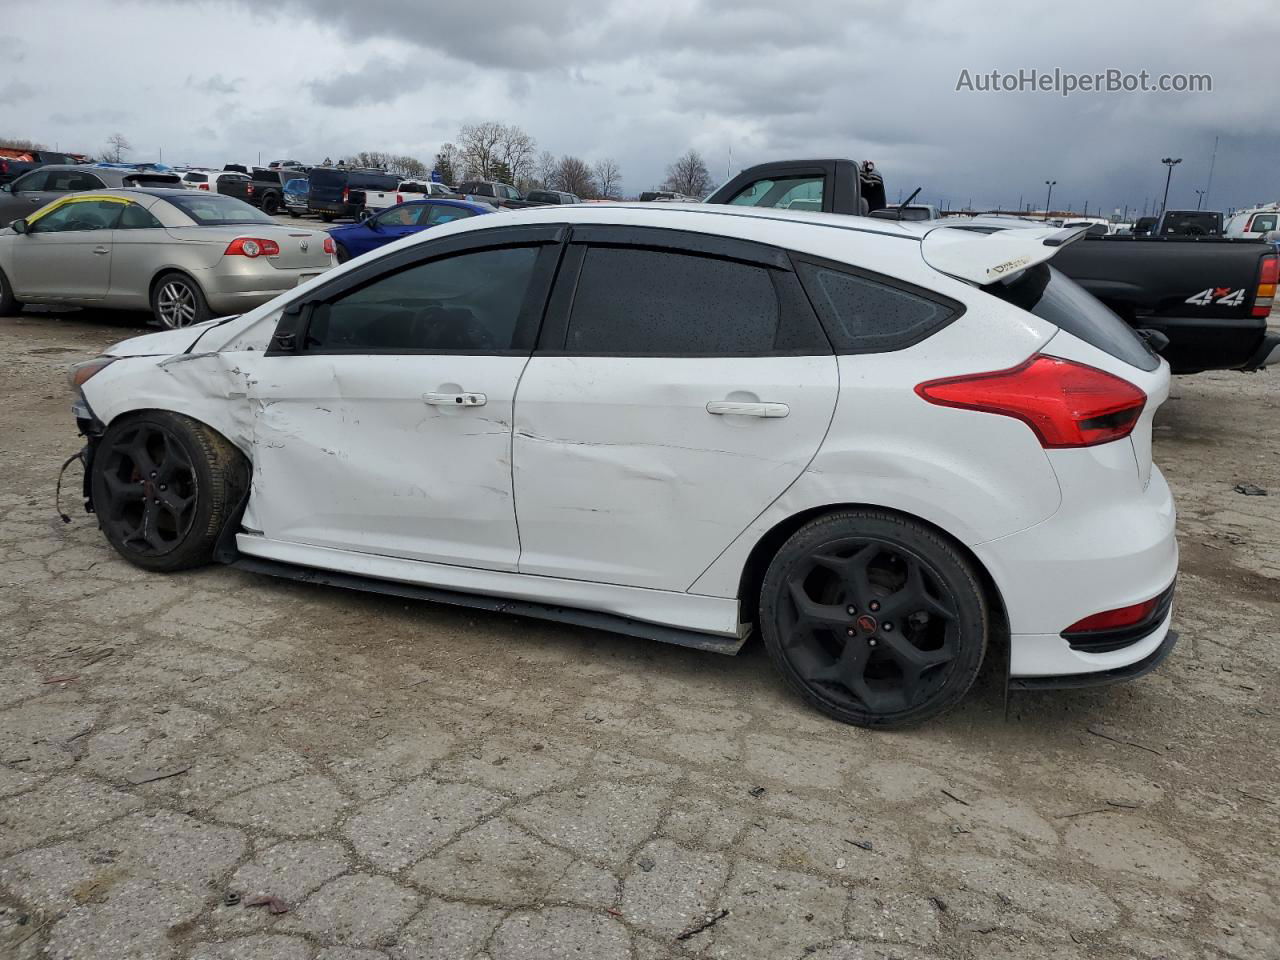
[{"x": 641, "y": 82}]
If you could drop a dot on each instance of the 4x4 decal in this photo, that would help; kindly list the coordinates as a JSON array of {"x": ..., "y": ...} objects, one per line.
[{"x": 1223, "y": 296}]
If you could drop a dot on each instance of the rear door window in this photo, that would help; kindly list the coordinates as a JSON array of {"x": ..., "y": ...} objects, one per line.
[
  {"x": 1057, "y": 299},
  {"x": 640, "y": 302},
  {"x": 31, "y": 182},
  {"x": 72, "y": 180}
]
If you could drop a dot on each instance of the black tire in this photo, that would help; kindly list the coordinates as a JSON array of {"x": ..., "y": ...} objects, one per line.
[
  {"x": 270, "y": 205},
  {"x": 342, "y": 253},
  {"x": 873, "y": 618},
  {"x": 327, "y": 217},
  {"x": 177, "y": 301},
  {"x": 163, "y": 488},
  {"x": 9, "y": 304}
]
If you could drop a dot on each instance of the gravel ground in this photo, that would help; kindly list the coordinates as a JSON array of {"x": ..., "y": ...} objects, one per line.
[{"x": 415, "y": 781}]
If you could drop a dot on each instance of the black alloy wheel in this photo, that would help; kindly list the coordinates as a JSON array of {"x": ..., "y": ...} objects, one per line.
[
  {"x": 163, "y": 486},
  {"x": 874, "y": 618}
]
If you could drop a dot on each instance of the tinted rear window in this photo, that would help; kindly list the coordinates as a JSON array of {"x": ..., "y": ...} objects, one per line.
[
  {"x": 328, "y": 178},
  {"x": 211, "y": 209},
  {"x": 870, "y": 315},
  {"x": 653, "y": 302},
  {"x": 196, "y": 178},
  {"x": 1057, "y": 299}
]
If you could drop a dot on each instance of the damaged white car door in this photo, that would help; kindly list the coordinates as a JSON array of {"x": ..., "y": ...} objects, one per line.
[
  {"x": 383, "y": 407},
  {"x": 681, "y": 383}
]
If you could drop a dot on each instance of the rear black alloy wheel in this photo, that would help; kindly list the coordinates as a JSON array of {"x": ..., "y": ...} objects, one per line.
[
  {"x": 875, "y": 619},
  {"x": 163, "y": 486}
]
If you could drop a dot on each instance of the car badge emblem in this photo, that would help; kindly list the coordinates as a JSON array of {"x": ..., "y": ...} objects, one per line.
[{"x": 304, "y": 244}]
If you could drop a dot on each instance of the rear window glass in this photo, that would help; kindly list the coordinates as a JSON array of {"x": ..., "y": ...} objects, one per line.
[
  {"x": 151, "y": 180},
  {"x": 1057, "y": 299},
  {"x": 654, "y": 302},
  {"x": 865, "y": 315},
  {"x": 196, "y": 178},
  {"x": 328, "y": 178},
  {"x": 215, "y": 208}
]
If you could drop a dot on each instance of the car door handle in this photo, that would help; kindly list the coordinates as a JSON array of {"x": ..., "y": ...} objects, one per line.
[
  {"x": 455, "y": 399},
  {"x": 101, "y": 250},
  {"x": 737, "y": 408}
]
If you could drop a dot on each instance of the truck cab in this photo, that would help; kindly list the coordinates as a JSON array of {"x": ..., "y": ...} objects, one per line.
[{"x": 827, "y": 186}]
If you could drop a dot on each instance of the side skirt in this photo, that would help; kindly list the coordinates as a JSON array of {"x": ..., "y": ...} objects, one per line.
[{"x": 526, "y": 608}]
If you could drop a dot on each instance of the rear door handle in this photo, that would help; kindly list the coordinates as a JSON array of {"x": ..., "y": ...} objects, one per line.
[
  {"x": 737, "y": 408},
  {"x": 455, "y": 399},
  {"x": 101, "y": 250}
]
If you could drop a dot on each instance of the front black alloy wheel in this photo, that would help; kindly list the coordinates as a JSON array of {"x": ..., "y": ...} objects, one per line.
[
  {"x": 163, "y": 487},
  {"x": 874, "y": 618}
]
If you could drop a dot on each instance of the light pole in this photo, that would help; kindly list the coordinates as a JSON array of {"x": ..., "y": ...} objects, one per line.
[
  {"x": 1050, "y": 184},
  {"x": 1170, "y": 163},
  {"x": 1200, "y": 197}
]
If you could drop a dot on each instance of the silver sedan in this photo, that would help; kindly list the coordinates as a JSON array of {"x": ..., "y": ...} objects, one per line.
[{"x": 187, "y": 255}]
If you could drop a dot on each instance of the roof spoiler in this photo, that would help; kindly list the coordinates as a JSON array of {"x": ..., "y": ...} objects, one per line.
[
  {"x": 983, "y": 258},
  {"x": 1063, "y": 237}
]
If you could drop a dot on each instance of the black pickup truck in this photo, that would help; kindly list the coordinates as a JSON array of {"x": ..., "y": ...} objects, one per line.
[
  {"x": 1209, "y": 296},
  {"x": 266, "y": 187}
]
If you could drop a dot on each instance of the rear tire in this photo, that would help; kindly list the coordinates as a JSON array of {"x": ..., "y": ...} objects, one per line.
[
  {"x": 341, "y": 253},
  {"x": 177, "y": 301},
  {"x": 873, "y": 618},
  {"x": 164, "y": 486},
  {"x": 327, "y": 217},
  {"x": 270, "y": 205},
  {"x": 9, "y": 304}
]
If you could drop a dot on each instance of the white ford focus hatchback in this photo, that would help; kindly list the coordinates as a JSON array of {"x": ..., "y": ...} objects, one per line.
[{"x": 880, "y": 445}]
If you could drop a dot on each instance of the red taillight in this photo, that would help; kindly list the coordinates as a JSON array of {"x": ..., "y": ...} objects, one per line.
[
  {"x": 399, "y": 198},
  {"x": 204, "y": 186},
  {"x": 329, "y": 245},
  {"x": 1116, "y": 619},
  {"x": 346, "y": 194},
  {"x": 251, "y": 247},
  {"x": 1268, "y": 277},
  {"x": 1067, "y": 404},
  {"x": 249, "y": 189}
]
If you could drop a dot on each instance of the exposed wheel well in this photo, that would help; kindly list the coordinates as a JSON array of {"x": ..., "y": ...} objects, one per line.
[
  {"x": 161, "y": 274},
  {"x": 763, "y": 552}
]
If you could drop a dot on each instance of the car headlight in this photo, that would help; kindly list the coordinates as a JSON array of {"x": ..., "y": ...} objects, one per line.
[{"x": 79, "y": 373}]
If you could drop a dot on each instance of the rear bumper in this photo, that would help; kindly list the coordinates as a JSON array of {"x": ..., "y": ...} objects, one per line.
[
  {"x": 335, "y": 209},
  {"x": 1267, "y": 354},
  {"x": 241, "y": 291},
  {"x": 1102, "y": 678}
]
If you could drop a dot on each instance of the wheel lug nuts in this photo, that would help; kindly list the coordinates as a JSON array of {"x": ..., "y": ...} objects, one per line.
[
  {"x": 875, "y": 605},
  {"x": 851, "y": 609},
  {"x": 163, "y": 487},
  {"x": 887, "y": 627},
  {"x": 153, "y": 474},
  {"x": 871, "y": 642},
  {"x": 852, "y": 632}
]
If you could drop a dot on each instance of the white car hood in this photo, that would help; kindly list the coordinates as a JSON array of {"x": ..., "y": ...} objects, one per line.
[{"x": 164, "y": 343}]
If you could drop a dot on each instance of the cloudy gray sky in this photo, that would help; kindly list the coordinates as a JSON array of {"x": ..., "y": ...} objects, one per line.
[{"x": 643, "y": 80}]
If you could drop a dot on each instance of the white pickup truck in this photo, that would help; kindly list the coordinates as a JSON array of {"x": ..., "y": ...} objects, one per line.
[{"x": 406, "y": 190}]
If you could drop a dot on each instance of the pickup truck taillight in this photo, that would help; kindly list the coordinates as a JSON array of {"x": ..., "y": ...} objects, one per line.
[
  {"x": 251, "y": 247},
  {"x": 346, "y": 194},
  {"x": 249, "y": 190},
  {"x": 204, "y": 186},
  {"x": 399, "y": 198},
  {"x": 1268, "y": 276},
  {"x": 1066, "y": 404}
]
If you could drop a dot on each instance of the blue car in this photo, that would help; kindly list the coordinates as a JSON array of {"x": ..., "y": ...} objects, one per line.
[
  {"x": 400, "y": 221},
  {"x": 295, "y": 196}
]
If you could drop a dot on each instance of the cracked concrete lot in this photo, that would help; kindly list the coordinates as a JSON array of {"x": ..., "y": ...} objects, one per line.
[{"x": 412, "y": 781}]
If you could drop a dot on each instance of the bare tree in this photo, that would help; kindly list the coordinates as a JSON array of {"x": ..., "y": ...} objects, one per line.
[
  {"x": 20, "y": 143},
  {"x": 574, "y": 176},
  {"x": 480, "y": 148},
  {"x": 117, "y": 146},
  {"x": 515, "y": 149},
  {"x": 688, "y": 175},
  {"x": 547, "y": 166},
  {"x": 449, "y": 163},
  {"x": 608, "y": 178}
]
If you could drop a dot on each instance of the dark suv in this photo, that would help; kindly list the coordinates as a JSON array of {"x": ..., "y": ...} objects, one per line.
[
  {"x": 551, "y": 196},
  {"x": 339, "y": 191},
  {"x": 499, "y": 194},
  {"x": 31, "y": 191}
]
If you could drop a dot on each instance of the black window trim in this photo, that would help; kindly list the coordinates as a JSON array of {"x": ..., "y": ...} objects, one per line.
[
  {"x": 792, "y": 299},
  {"x": 289, "y": 337},
  {"x": 956, "y": 308}
]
